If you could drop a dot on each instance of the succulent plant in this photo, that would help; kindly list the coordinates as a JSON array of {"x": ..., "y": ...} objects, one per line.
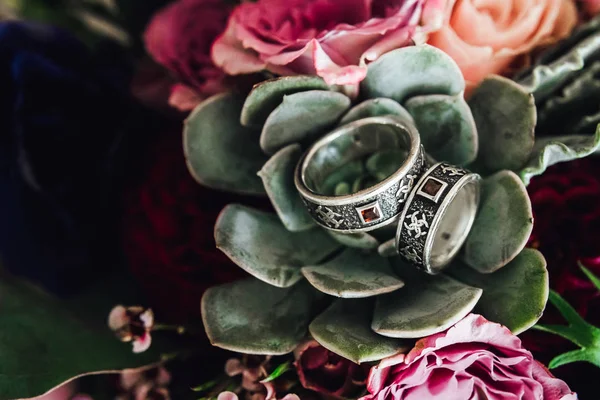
[
  {"x": 565, "y": 82},
  {"x": 349, "y": 291}
]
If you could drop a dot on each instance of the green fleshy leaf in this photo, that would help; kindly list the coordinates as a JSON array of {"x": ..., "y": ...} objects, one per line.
[
  {"x": 555, "y": 69},
  {"x": 342, "y": 189},
  {"x": 502, "y": 226},
  {"x": 346, "y": 174},
  {"x": 220, "y": 153},
  {"x": 302, "y": 117},
  {"x": 373, "y": 108},
  {"x": 426, "y": 305},
  {"x": 412, "y": 71},
  {"x": 553, "y": 150},
  {"x": 505, "y": 116},
  {"x": 267, "y": 95},
  {"x": 358, "y": 240},
  {"x": 514, "y": 296},
  {"x": 278, "y": 177},
  {"x": 384, "y": 163},
  {"x": 388, "y": 249},
  {"x": 446, "y": 127},
  {"x": 344, "y": 329},
  {"x": 568, "y": 111},
  {"x": 260, "y": 244},
  {"x": 252, "y": 317},
  {"x": 353, "y": 274},
  {"x": 45, "y": 343}
]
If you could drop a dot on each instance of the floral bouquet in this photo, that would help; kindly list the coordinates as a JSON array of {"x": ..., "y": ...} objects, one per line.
[{"x": 300, "y": 199}]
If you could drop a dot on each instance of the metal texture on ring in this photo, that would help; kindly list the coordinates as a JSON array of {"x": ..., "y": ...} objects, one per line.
[
  {"x": 383, "y": 201},
  {"x": 426, "y": 206}
]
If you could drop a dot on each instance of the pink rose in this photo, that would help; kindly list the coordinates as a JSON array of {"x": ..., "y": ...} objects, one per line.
[
  {"x": 475, "y": 359},
  {"x": 331, "y": 38},
  {"x": 180, "y": 37},
  {"x": 485, "y": 37}
]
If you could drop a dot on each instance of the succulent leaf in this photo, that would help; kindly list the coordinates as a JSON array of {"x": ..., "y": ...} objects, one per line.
[
  {"x": 374, "y": 108},
  {"x": 553, "y": 150},
  {"x": 502, "y": 226},
  {"x": 514, "y": 296},
  {"x": 412, "y": 71},
  {"x": 567, "y": 111},
  {"x": 426, "y": 305},
  {"x": 388, "y": 248},
  {"x": 384, "y": 163},
  {"x": 344, "y": 329},
  {"x": 358, "y": 240},
  {"x": 250, "y": 316},
  {"x": 220, "y": 153},
  {"x": 446, "y": 126},
  {"x": 505, "y": 116},
  {"x": 278, "y": 177},
  {"x": 560, "y": 64},
  {"x": 267, "y": 95},
  {"x": 353, "y": 274},
  {"x": 258, "y": 242},
  {"x": 302, "y": 117}
]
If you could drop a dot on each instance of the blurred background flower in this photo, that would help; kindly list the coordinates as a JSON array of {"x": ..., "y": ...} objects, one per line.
[{"x": 63, "y": 139}]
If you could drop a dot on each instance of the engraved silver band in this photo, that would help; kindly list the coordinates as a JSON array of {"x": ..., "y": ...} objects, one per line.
[
  {"x": 375, "y": 206},
  {"x": 438, "y": 217}
]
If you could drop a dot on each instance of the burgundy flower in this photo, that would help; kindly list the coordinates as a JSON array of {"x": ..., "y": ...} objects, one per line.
[
  {"x": 180, "y": 37},
  {"x": 327, "y": 373},
  {"x": 566, "y": 207},
  {"x": 168, "y": 233}
]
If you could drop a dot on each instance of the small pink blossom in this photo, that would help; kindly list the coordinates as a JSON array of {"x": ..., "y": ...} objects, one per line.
[
  {"x": 132, "y": 324},
  {"x": 334, "y": 39},
  {"x": 474, "y": 359}
]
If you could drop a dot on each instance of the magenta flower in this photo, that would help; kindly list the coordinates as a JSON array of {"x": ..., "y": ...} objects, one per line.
[
  {"x": 472, "y": 360},
  {"x": 331, "y": 38}
]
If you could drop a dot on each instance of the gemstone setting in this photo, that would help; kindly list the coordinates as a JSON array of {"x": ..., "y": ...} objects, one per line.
[
  {"x": 369, "y": 213},
  {"x": 432, "y": 189}
]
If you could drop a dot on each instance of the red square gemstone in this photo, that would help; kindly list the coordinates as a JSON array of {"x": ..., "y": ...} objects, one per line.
[
  {"x": 431, "y": 187},
  {"x": 370, "y": 214}
]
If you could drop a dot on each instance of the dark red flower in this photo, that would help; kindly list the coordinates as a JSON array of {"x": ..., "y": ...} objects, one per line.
[
  {"x": 168, "y": 233},
  {"x": 566, "y": 208},
  {"x": 327, "y": 373}
]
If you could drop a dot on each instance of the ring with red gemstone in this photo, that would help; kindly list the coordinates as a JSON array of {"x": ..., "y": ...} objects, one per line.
[
  {"x": 438, "y": 217},
  {"x": 376, "y": 205}
]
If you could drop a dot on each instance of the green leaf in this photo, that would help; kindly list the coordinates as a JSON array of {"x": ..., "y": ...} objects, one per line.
[
  {"x": 502, "y": 226},
  {"x": 514, "y": 296},
  {"x": 220, "y": 153},
  {"x": 44, "y": 345},
  {"x": 505, "y": 116},
  {"x": 260, "y": 244},
  {"x": 358, "y": 240},
  {"x": 589, "y": 355},
  {"x": 593, "y": 278},
  {"x": 553, "y": 150},
  {"x": 302, "y": 117},
  {"x": 446, "y": 126},
  {"x": 412, "y": 71},
  {"x": 388, "y": 249},
  {"x": 426, "y": 305},
  {"x": 277, "y": 372},
  {"x": 384, "y": 163},
  {"x": 353, "y": 274},
  {"x": 252, "y": 317},
  {"x": 267, "y": 95},
  {"x": 278, "y": 177},
  {"x": 374, "y": 108},
  {"x": 344, "y": 329}
]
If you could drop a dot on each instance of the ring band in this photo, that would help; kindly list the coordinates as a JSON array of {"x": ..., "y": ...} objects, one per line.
[
  {"x": 370, "y": 208},
  {"x": 438, "y": 217}
]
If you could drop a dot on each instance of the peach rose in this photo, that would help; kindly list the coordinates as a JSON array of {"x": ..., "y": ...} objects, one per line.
[{"x": 485, "y": 36}]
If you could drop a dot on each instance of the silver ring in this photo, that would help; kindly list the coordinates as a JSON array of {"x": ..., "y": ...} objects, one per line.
[
  {"x": 375, "y": 206},
  {"x": 438, "y": 217}
]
